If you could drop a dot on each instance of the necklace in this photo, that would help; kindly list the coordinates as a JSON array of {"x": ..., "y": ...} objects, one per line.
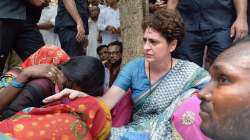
[{"x": 149, "y": 75}]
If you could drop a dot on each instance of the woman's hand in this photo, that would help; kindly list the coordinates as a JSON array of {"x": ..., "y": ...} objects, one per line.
[
  {"x": 38, "y": 71},
  {"x": 72, "y": 94}
]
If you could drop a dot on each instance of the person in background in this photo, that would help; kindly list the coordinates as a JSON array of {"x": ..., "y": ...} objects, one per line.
[
  {"x": 18, "y": 28},
  {"x": 214, "y": 23},
  {"x": 102, "y": 5},
  {"x": 72, "y": 26},
  {"x": 115, "y": 60},
  {"x": 102, "y": 52},
  {"x": 93, "y": 31},
  {"x": 29, "y": 40},
  {"x": 122, "y": 111},
  {"x": 98, "y": 4},
  {"x": 109, "y": 23},
  {"x": 47, "y": 22}
]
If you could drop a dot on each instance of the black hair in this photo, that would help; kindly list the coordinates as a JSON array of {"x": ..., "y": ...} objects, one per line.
[
  {"x": 117, "y": 43},
  {"x": 95, "y": 7},
  {"x": 167, "y": 22},
  {"x": 86, "y": 72},
  {"x": 99, "y": 48}
]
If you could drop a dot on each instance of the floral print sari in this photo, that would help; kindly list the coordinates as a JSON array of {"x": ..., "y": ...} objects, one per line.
[{"x": 85, "y": 118}]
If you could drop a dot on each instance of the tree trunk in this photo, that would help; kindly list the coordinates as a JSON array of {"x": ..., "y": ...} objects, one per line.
[{"x": 132, "y": 13}]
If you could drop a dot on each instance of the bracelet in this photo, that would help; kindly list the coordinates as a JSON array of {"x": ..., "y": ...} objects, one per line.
[{"x": 16, "y": 84}]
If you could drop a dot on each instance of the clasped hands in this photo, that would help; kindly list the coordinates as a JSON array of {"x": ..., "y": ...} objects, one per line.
[{"x": 113, "y": 30}]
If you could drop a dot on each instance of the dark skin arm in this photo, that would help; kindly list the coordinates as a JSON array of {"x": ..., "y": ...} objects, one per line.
[{"x": 8, "y": 94}]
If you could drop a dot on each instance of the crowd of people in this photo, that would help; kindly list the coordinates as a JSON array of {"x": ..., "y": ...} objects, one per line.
[{"x": 71, "y": 83}]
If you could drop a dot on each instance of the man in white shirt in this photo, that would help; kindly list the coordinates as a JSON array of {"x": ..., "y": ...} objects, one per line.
[
  {"x": 109, "y": 23},
  {"x": 47, "y": 22},
  {"x": 93, "y": 31}
]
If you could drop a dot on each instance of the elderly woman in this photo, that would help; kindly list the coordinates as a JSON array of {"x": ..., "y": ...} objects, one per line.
[{"x": 159, "y": 82}]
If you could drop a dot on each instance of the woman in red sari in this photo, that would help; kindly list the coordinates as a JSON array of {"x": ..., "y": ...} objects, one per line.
[
  {"x": 64, "y": 119},
  {"x": 48, "y": 54},
  {"x": 83, "y": 119}
]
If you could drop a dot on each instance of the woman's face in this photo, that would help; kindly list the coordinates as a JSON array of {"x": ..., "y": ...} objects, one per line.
[
  {"x": 156, "y": 47},
  {"x": 227, "y": 93}
]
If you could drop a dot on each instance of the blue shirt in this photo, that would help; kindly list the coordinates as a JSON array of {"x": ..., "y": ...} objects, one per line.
[
  {"x": 207, "y": 14},
  {"x": 133, "y": 76}
]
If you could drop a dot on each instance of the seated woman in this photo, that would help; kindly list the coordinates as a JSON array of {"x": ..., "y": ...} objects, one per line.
[
  {"x": 159, "y": 83},
  {"x": 84, "y": 118}
]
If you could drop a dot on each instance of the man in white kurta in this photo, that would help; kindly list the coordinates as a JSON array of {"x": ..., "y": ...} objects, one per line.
[
  {"x": 93, "y": 31},
  {"x": 109, "y": 23},
  {"x": 47, "y": 23}
]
